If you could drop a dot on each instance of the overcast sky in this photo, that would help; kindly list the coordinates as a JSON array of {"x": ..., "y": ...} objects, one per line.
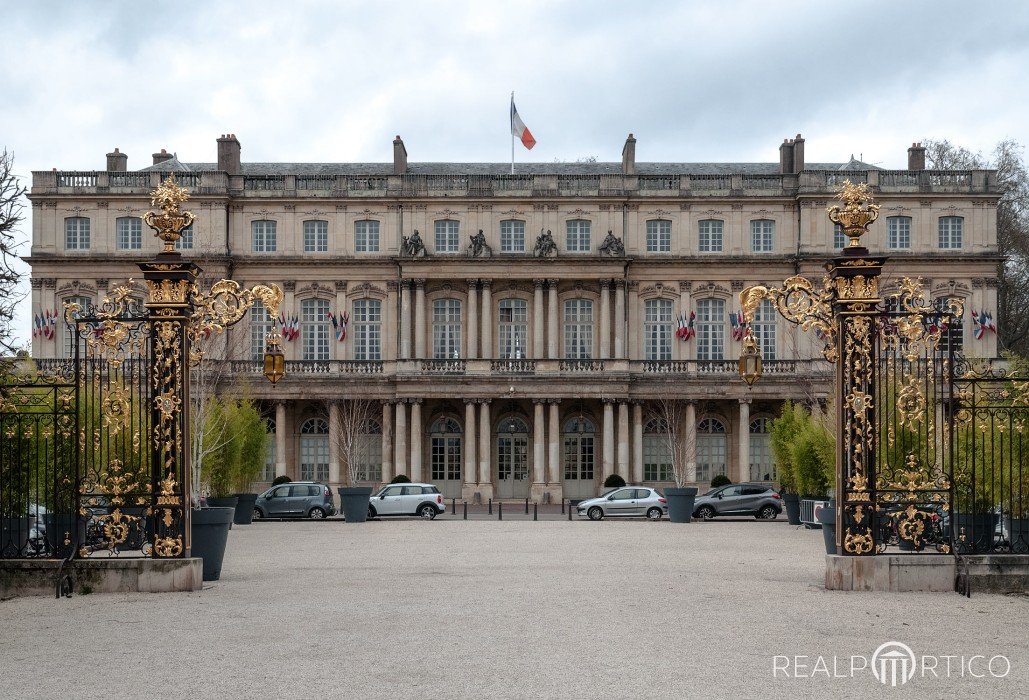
[{"x": 336, "y": 80}]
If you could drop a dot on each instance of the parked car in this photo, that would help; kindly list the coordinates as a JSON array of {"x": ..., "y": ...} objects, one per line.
[
  {"x": 759, "y": 500},
  {"x": 297, "y": 499},
  {"x": 423, "y": 500},
  {"x": 627, "y": 501}
]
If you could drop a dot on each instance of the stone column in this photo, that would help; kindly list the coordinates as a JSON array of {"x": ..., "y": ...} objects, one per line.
[
  {"x": 416, "y": 440},
  {"x": 537, "y": 319},
  {"x": 539, "y": 472},
  {"x": 554, "y": 443},
  {"x": 472, "y": 336},
  {"x": 690, "y": 432},
  {"x": 607, "y": 458},
  {"x": 743, "y": 457},
  {"x": 637, "y": 442},
  {"x": 400, "y": 430},
  {"x": 387, "y": 441},
  {"x": 487, "y": 319},
  {"x": 484, "y": 444},
  {"x": 419, "y": 319},
  {"x": 619, "y": 319},
  {"x": 469, "y": 447},
  {"x": 552, "y": 318},
  {"x": 605, "y": 319},
  {"x": 623, "y": 441},
  {"x": 634, "y": 329},
  {"x": 280, "y": 439},
  {"x": 405, "y": 319},
  {"x": 334, "y": 442}
]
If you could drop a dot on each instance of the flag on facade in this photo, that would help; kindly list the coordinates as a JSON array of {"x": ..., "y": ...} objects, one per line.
[
  {"x": 339, "y": 324},
  {"x": 691, "y": 326},
  {"x": 739, "y": 326},
  {"x": 982, "y": 322},
  {"x": 518, "y": 128},
  {"x": 37, "y": 325}
]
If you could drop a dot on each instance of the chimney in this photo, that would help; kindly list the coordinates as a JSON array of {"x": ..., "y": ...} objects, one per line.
[
  {"x": 228, "y": 154},
  {"x": 160, "y": 157},
  {"x": 399, "y": 156},
  {"x": 117, "y": 162},
  {"x": 798, "y": 154},
  {"x": 629, "y": 156},
  {"x": 786, "y": 157},
  {"x": 916, "y": 157}
]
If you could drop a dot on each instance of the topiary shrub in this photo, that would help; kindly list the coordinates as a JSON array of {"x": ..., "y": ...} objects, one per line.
[
  {"x": 720, "y": 480},
  {"x": 281, "y": 480},
  {"x": 614, "y": 482},
  {"x": 400, "y": 479}
]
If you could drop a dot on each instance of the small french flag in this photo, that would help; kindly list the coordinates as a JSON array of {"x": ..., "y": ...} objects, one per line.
[{"x": 518, "y": 128}]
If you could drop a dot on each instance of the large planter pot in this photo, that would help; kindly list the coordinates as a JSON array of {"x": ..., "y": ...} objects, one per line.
[
  {"x": 792, "y": 503},
  {"x": 1018, "y": 533},
  {"x": 61, "y": 527},
  {"x": 827, "y": 517},
  {"x": 223, "y": 502},
  {"x": 978, "y": 529},
  {"x": 680, "y": 504},
  {"x": 14, "y": 537},
  {"x": 353, "y": 502},
  {"x": 244, "y": 508},
  {"x": 210, "y": 533}
]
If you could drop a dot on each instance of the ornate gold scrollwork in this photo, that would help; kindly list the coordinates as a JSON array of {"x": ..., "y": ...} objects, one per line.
[
  {"x": 227, "y": 303},
  {"x": 799, "y": 303},
  {"x": 169, "y": 224},
  {"x": 857, "y": 213},
  {"x": 859, "y": 543}
]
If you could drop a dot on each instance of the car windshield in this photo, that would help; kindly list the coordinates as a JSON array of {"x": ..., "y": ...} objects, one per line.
[{"x": 712, "y": 492}]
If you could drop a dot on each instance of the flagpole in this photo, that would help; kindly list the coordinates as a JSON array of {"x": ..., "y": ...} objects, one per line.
[{"x": 511, "y": 119}]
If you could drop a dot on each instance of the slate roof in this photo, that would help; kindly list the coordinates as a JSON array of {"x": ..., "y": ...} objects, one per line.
[{"x": 172, "y": 164}]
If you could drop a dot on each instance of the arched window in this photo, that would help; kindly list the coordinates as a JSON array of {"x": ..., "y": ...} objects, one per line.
[
  {"x": 447, "y": 236},
  {"x": 369, "y": 451},
  {"x": 659, "y": 236},
  {"x": 263, "y": 235},
  {"x": 316, "y": 236},
  {"x": 710, "y": 329},
  {"x": 710, "y": 236},
  {"x": 367, "y": 329},
  {"x": 657, "y": 451},
  {"x": 261, "y": 324},
  {"x": 446, "y": 329},
  {"x": 445, "y": 447},
  {"x": 578, "y": 329},
  {"x": 314, "y": 450},
  {"x": 951, "y": 230},
  {"x": 512, "y": 236},
  {"x": 314, "y": 315},
  {"x": 129, "y": 233},
  {"x": 512, "y": 328},
  {"x": 577, "y": 236},
  {"x": 711, "y": 449},
  {"x": 762, "y": 465},
  {"x": 71, "y": 334},
  {"x": 657, "y": 329},
  {"x": 76, "y": 233},
  {"x": 762, "y": 235},
  {"x": 579, "y": 435},
  {"x": 763, "y": 327},
  {"x": 512, "y": 457},
  {"x": 898, "y": 232}
]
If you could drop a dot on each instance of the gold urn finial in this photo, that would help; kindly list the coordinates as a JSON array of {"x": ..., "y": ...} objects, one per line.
[
  {"x": 858, "y": 212},
  {"x": 168, "y": 225}
]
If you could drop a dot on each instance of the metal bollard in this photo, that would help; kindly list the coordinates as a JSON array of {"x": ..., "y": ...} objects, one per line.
[
  {"x": 453, "y": 506},
  {"x": 466, "y": 510},
  {"x": 490, "y": 507},
  {"x": 526, "y": 506},
  {"x": 534, "y": 512},
  {"x": 500, "y": 511},
  {"x": 562, "y": 506},
  {"x": 569, "y": 511}
]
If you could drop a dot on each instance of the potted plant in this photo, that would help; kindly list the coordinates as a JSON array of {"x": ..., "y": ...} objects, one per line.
[
  {"x": 784, "y": 432},
  {"x": 212, "y": 466},
  {"x": 720, "y": 480},
  {"x": 353, "y": 431},
  {"x": 614, "y": 481},
  {"x": 249, "y": 448},
  {"x": 682, "y": 446},
  {"x": 813, "y": 455}
]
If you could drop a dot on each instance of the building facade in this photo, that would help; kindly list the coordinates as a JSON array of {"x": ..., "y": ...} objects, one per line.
[{"x": 516, "y": 333}]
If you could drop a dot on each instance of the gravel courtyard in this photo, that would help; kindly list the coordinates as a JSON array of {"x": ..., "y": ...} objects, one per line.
[{"x": 512, "y": 609}]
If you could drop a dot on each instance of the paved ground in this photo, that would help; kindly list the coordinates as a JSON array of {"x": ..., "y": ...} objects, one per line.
[{"x": 513, "y": 609}]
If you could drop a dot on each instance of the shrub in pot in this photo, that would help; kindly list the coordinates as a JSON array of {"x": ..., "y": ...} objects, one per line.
[
  {"x": 783, "y": 433},
  {"x": 720, "y": 480},
  {"x": 281, "y": 479},
  {"x": 400, "y": 479},
  {"x": 249, "y": 447},
  {"x": 614, "y": 481}
]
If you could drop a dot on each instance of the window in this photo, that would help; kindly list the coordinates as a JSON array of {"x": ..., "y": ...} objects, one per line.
[
  {"x": 70, "y": 331},
  {"x": 129, "y": 233},
  {"x": 950, "y": 232},
  {"x": 447, "y": 236},
  {"x": 263, "y": 233},
  {"x": 578, "y": 329},
  {"x": 762, "y": 464},
  {"x": 185, "y": 241},
  {"x": 446, "y": 329},
  {"x": 657, "y": 452},
  {"x": 577, "y": 239},
  {"x": 512, "y": 236},
  {"x": 578, "y": 449},
  {"x": 445, "y": 450},
  {"x": 261, "y": 324},
  {"x": 314, "y": 329},
  {"x": 839, "y": 240},
  {"x": 710, "y": 236},
  {"x": 76, "y": 233},
  {"x": 366, "y": 236},
  {"x": 316, "y": 236},
  {"x": 711, "y": 449},
  {"x": 367, "y": 329},
  {"x": 953, "y": 337},
  {"x": 762, "y": 235},
  {"x": 659, "y": 236},
  {"x": 512, "y": 330},
  {"x": 369, "y": 451},
  {"x": 268, "y": 472},
  {"x": 710, "y": 329},
  {"x": 898, "y": 232},
  {"x": 763, "y": 327},
  {"x": 314, "y": 450},
  {"x": 657, "y": 329}
]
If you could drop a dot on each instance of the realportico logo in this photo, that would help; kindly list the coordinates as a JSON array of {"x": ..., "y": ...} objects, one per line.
[{"x": 893, "y": 664}]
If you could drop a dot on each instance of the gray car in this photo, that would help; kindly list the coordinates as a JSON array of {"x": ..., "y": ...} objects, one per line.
[
  {"x": 297, "y": 499},
  {"x": 627, "y": 501},
  {"x": 758, "y": 500}
]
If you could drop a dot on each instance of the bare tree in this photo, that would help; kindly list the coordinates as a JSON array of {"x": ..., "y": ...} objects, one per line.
[
  {"x": 11, "y": 206},
  {"x": 680, "y": 438},
  {"x": 354, "y": 419}
]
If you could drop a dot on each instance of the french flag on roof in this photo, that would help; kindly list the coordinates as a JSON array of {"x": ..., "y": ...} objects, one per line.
[{"x": 518, "y": 128}]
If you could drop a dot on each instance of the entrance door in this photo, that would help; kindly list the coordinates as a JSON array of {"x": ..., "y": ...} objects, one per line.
[
  {"x": 513, "y": 459},
  {"x": 579, "y": 437},
  {"x": 445, "y": 457}
]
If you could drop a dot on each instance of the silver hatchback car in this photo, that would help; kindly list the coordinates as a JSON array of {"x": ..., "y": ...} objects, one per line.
[{"x": 627, "y": 501}]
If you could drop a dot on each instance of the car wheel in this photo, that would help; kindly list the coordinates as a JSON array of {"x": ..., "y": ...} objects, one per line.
[
  {"x": 316, "y": 514},
  {"x": 654, "y": 513},
  {"x": 705, "y": 512},
  {"x": 768, "y": 513},
  {"x": 371, "y": 512},
  {"x": 595, "y": 513},
  {"x": 258, "y": 514},
  {"x": 427, "y": 511}
]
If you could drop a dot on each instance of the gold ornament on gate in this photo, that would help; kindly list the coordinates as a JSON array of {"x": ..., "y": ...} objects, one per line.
[
  {"x": 169, "y": 224},
  {"x": 858, "y": 212}
]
